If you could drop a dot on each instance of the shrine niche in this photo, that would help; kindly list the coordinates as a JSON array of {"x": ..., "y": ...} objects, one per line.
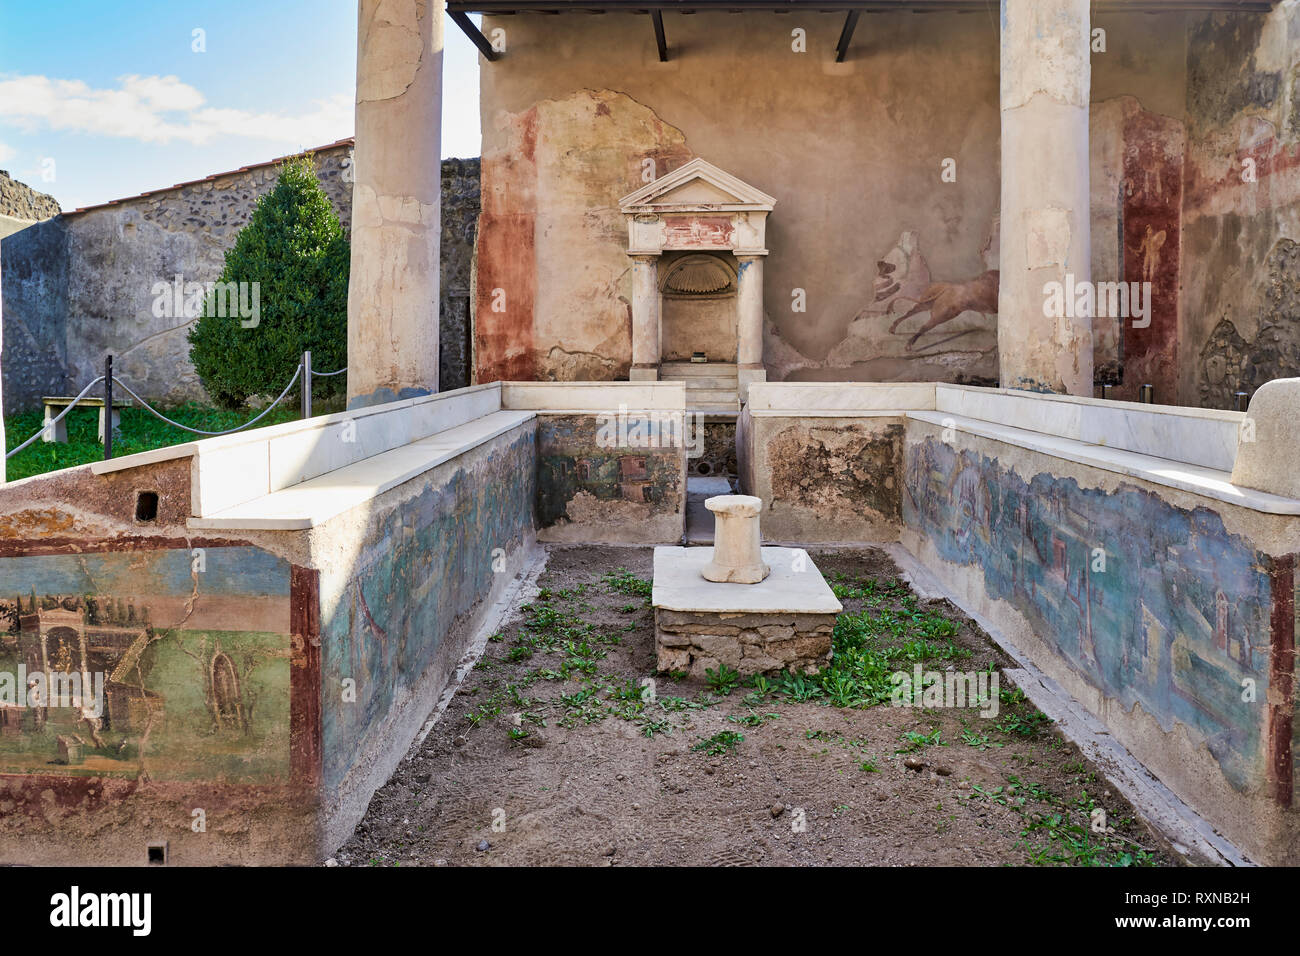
[
  {"x": 721, "y": 221},
  {"x": 698, "y": 307}
]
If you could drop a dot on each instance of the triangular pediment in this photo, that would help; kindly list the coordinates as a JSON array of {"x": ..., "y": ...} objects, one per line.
[{"x": 697, "y": 186}]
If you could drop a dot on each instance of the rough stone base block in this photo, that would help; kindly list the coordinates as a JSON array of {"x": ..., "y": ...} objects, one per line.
[
  {"x": 784, "y": 622},
  {"x": 749, "y": 643}
]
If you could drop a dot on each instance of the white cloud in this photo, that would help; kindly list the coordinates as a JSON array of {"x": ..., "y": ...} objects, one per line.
[
  {"x": 6, "y": 153},
  {"x": 160, "y": 109}
]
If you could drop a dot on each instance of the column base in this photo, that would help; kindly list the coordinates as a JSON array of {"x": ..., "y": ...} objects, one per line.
[
  {"x": 647, "y": 373},
  {"x": 747, "y": 374}
]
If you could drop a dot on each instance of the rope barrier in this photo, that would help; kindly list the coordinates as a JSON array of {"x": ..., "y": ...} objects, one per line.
[
  {"x": 199, "y": 431},
  {"x": 159, "y": 415},
  {"x": 54, "y": 421}
]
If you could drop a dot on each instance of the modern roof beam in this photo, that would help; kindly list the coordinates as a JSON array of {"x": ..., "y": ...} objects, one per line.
[
  {"x": 846, "y": 35},
  {"x": 475, "y": 35},
  {"x": 661, "y": 41}
]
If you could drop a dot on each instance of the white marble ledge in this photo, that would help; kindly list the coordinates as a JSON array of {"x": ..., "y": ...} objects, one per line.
[
  {"x": 1197, "y": 479},
  {"x": 829, "y": 413},
  {"x": 813, "y": 398},
  {"x": 317, "y": 500},
  {"x": 141, "y": 458},
  {"x": 679, "y": 586}
]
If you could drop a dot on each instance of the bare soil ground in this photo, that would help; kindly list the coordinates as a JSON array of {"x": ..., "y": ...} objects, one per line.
[{"x": 553, "y": 751}]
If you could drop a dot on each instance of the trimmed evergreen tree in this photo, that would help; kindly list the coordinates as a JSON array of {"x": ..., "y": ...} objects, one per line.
[{"x": 294, "y": 249}]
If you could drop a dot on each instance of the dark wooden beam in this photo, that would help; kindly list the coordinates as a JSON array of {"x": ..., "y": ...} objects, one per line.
[
  {"x": 661, "y": 41},
  {"x": 839, "y": 6},
  {"x": 846, "y": 35},
  {"x": 475, "y": 35}
]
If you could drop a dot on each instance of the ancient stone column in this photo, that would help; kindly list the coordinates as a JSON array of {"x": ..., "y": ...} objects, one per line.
[
  {"x": 396, "y": 208},
  {"x": 1046, "y": 78},
  {"x": 737, "y": 554},
  {"x": 2, "y": 405},
  {"x": 749, "y": 326},
  {"x": 645, "y": 319}
]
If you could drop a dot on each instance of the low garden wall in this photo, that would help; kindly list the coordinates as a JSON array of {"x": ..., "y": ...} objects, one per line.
[
  {"x": 274, "y": 614},
  {"x": 1108, "y": 540}
]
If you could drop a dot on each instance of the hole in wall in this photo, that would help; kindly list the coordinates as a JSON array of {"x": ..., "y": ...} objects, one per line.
[
  {"x": 156, "y": 853},
  {"x": 704, "y": 468},
  {"x": 146, "y": 506}
]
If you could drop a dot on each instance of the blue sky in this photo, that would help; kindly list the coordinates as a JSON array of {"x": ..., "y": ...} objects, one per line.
[{"x": 101, "y": 100}]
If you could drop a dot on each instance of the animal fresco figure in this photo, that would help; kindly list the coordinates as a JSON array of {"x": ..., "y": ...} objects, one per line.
[{"x": 947, "y": 300}]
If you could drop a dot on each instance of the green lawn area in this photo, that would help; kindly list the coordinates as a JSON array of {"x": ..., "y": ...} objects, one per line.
[{"x": 141, "y": 431}]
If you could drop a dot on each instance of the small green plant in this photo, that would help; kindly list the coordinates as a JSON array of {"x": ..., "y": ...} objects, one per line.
[
  {"x": 723, "y": 680},
  {"x": 623, "y": 581},
  {"x": 753, "y": 718},
  {"x": 917, "y": 741},
  {"x": 721, "y": 743}
]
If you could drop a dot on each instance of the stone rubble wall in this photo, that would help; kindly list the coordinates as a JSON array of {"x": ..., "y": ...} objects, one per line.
[
  {"x": 23, "y": 202},
  {"x": 81, "y": 285},
  {"x": 748, "y": 643}
]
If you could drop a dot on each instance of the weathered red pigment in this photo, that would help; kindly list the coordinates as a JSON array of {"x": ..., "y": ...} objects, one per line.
[
  {"x": 1281, "y": 679},
  {"x": 1152, "y": 203},
  {"x": 304, "y": 676},
  {"x": 506, "y": 271}
]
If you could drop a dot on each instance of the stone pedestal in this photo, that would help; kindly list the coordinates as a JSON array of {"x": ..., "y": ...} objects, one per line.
[
  {"x": 783, "y": 623},
  {"x": 737, "y": 557}
]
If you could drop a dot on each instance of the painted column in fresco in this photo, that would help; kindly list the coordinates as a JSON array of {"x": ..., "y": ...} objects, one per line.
[
  {"x": 749, "y": 331},
  {"x": 1046, "y": 79},
  {"x": 645, "y": 319},
  {"x": 396, "y": 202}
]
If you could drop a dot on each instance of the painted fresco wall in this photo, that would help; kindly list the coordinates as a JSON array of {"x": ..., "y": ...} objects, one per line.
[
  {"x": 617, "y": 478},
  {"x": 825, "y": 479},
  {"x": 1181, "y": 613},
  {"x": 189, "y": 682},
  {"x": 184, "y": 674},
  {"x": 897, "y": 267},
  {"x": 398, "y": 587},
  {"x": 1241, "y": 313}
]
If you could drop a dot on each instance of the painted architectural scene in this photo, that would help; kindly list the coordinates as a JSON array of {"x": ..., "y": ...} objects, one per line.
[
  {"x": 1160, "y": 606},
  {"x": 187, "y": 680}
]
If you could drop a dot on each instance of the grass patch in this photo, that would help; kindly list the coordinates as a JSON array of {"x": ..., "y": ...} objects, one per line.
[{"x": 141, "y": 431}]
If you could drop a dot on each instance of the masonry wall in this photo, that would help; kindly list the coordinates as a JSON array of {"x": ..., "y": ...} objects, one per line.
[
  {"x": 205, "y": 742},
  {"x": 852, "y": 152},
  {"x": 1180, "y": 639},
  {"x": 830, "y": 480},
  {"x": 402, "y": 585},
  {"x": 81, "y": 285},
  {"x": 597, "y": 485}
]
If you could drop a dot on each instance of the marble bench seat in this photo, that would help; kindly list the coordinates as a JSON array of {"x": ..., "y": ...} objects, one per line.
[
  {"x": 1185, "y": 476},
  {"x": 314, "y": 501}
]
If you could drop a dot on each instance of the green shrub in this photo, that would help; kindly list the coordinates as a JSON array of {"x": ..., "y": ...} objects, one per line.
[{"x": 294, "y": 248}]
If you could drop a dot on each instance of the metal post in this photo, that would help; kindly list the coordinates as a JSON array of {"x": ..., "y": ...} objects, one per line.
[
  {"x": 1105, "y": 390},
  {"x": 1243, "y": 401},
  {"x": 306, "y": 384},
  {"x": 1149, "y": 394},
  {"x": 108, "y": 407}
]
